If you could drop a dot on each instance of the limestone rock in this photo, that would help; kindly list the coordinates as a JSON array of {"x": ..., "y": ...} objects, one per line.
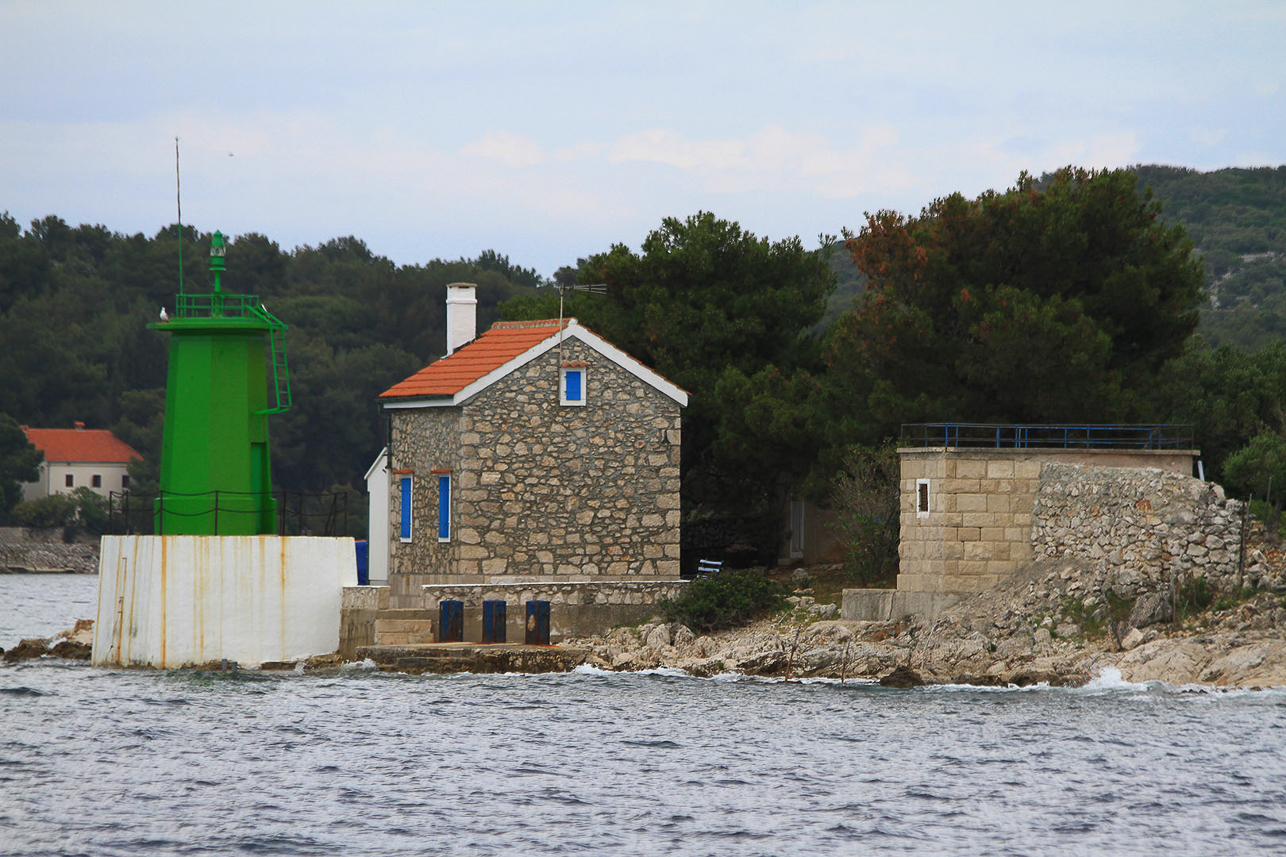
[
  {"x": 682, "y": 637},
  {"x": 1172, "y": 661},
  {"x": 1260, "y": 664},
  {"x": 31, "y": 647},
  {"x": 902, "y": 676},
  {"x": 1150, "y": 609},
  {"x": 1137, "y": 637},
  {"x": 659, "y": 637}
]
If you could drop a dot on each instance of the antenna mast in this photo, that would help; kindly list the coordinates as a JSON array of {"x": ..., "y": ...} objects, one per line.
[
  {"x": 592, "y": 288},
  {"x": 178, "y": 198}
]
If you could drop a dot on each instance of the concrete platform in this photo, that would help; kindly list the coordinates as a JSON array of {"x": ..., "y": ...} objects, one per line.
[
  {"x": 881, "y": 605},
  {"x": 475, "y": 658}
]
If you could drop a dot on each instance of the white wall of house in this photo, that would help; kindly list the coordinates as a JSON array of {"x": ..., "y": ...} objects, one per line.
[
  {"x": 377, "y": 540},
  {"x": 53, "y": 478}
]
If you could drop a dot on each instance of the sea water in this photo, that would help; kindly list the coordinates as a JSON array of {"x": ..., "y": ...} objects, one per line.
[{"x": 133, "y": 762}]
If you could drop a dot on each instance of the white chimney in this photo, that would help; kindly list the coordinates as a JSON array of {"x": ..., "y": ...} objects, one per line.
[{"x": 462, "y": 315}]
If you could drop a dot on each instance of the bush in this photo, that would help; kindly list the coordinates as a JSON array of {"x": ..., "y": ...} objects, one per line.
[
  {"x": 1193, "y": 596},
  {"x": 865, "y": 496},
  {"x": 57, "y": 510},
  {"x": 91, "y": 510},
  {"x": 724, "y": 600},
  {"x": 81, "y": 508}
]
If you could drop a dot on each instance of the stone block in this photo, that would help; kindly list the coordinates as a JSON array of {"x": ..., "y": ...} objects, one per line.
[
  {"x": 961, "y": 486},
  {"x": 976, "y": 519},
  {"x": 998, "y": 502},
  {"x": 1000, "y": 469},
  {"x": 971, "y": 468},
  {"x": 971, "y": 502},
  {"x": 1028, "y": 469},
  {"x": 969, "y": 534}
]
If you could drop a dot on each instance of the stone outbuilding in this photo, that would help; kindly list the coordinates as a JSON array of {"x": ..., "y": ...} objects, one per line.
[
  {"x": 970, "y": 500},
  {"x": 537, "y": 451}
]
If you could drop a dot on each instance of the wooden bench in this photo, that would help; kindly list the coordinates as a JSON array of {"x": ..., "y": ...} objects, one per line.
[{"x": 709, "y": 567}]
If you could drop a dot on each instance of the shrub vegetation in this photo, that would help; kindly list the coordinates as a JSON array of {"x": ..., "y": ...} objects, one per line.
[{"x": 725, "y": 600}]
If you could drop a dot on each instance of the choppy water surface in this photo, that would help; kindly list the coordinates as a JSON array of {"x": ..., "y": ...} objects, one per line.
[{"x": 129, "y": 762}]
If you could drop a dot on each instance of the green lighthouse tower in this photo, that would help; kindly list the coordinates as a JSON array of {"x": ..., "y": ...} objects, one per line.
[{"x": 215, "y": 475}]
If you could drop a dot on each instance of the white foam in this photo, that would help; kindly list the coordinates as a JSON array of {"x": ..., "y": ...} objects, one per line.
[{"x": 1109, "y": 678}]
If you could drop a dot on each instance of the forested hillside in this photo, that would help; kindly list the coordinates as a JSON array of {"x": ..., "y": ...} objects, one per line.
[
  {"x": 1069, "y": 298},
  {"x": 74, "y": 345},
  {"x": 1237, "y": 220}
]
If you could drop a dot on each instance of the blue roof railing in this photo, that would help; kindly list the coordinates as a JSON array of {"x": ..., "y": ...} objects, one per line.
[{"x": 1069, "y": 436}]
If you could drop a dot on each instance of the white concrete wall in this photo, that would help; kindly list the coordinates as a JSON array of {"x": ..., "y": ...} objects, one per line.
[
  {"x": 173, "y": 601},
  {"x": 378, "y": 533},
  {"x": 462, "y": 315},
  {"x": 53, "y": 478}
]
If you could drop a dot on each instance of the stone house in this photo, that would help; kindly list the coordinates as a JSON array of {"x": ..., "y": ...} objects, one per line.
[
  {"x": 537, "y": 451},
  {"x": 79, "y": 457}
]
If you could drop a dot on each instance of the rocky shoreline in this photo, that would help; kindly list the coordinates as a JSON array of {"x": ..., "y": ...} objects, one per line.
[
  {"x": 1038, "y": 626},
  {"x": 1058, "y": 622}
]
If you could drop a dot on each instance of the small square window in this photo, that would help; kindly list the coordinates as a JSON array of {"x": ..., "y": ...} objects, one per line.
[
  {"x": 69, "y": 481},
  {"x": 572, "y": 387},
  {"x": 922, "y": 498},
  {"x": 97, "y": 480}
]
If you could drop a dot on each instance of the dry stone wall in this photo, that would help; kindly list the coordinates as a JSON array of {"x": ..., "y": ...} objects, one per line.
[
  {"x": 576, "y": 609},
  {"x": 542, "y": 490},
  {"x": 1147, "y": 525},
  {"x": 34, "y": 550}
]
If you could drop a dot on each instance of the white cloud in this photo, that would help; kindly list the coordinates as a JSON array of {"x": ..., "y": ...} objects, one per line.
[
  {"x": 772, "y": 158},
  {"x": 508, "y": 149}
]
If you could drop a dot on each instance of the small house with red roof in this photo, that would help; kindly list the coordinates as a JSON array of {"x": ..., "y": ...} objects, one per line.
[
  {"x": 75, "y": 457},
  {"x": 537, "y": 451}
]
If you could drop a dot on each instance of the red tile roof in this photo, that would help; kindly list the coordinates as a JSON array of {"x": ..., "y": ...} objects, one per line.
[
  {"x": 88, "y": 445},
  {"x": 448, "y": 376}
]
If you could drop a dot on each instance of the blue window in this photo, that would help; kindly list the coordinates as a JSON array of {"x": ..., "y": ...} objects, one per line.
[
  {"x": 573, "y": 392},
  {"x": 444, "y": 508},
  {"x": 406, "y": 508}
]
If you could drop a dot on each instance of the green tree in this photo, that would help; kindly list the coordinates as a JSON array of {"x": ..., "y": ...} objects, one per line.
[
  {"x": 1259, "y": 468},
  {"x": 1031, "y": 305},
  {"x": 706, "y": 301},
  {"x": 19, "y": 462}
]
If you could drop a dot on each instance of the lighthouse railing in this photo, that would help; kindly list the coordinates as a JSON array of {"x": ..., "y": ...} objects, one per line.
[{"x": 323, "y": 513}]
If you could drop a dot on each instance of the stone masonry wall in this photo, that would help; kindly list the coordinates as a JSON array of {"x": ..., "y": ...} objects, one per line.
[
  {"x": 424, "y": 440},
  {"x": 575, "y": 609},
  {"x": 1147, "y": 525},
  {"x": 978, "y": 530},
  {"x": 36, "y": 550},
  {"x": 542, "y": 490}
]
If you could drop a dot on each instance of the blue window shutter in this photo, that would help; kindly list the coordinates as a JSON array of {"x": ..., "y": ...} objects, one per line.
[
  {"x": 573, "y": 385},
  {"x": 406, "y": 507},
  {"x": 444, "y": 507}
]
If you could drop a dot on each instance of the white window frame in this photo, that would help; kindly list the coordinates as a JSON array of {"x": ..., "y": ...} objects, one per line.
[
  {"x": 562, "y": 386},
  {"x": 922, "y": 489}
]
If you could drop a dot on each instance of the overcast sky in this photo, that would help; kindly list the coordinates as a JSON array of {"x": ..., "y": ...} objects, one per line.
[{"x": 548, "y": 131}]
